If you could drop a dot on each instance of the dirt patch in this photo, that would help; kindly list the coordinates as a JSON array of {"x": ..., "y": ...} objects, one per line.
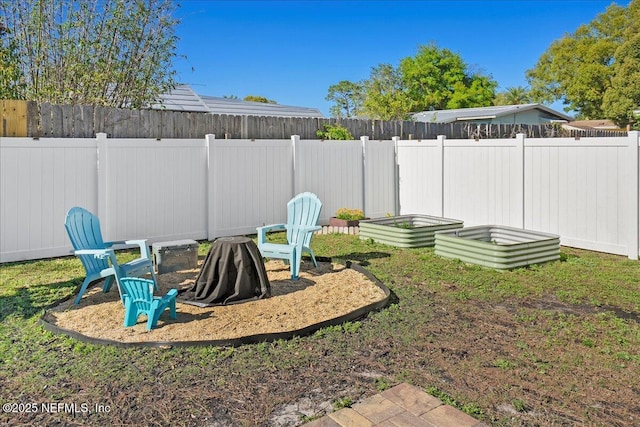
[{"x": 327, "y": 292}]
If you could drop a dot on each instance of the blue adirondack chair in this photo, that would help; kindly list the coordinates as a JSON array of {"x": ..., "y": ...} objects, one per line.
[
  {"x": 139, "y": 299},
  {"x": 98, "y": 257},
  {"x": 302, "y": 218}
]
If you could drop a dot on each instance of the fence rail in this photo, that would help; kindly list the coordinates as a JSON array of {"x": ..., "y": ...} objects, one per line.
[
  {"x": 586, "y": 190},
  {"x": 45, "y": 120}
]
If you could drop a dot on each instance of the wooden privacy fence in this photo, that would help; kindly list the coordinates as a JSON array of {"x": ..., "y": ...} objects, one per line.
[{"x": 45, "y": 120}]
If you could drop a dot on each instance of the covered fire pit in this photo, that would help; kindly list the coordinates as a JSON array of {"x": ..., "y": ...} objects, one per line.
[{"x": 233, "y": 272}]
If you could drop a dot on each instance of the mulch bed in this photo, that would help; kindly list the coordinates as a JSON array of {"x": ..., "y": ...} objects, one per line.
[{"x": 330, "y": 293}]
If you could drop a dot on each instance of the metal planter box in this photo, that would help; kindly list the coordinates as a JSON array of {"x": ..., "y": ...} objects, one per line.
[
  {"x": 175, "y": 255},
  {"x": 406, "y": 231},
  {"x": 498, "y": 247}
]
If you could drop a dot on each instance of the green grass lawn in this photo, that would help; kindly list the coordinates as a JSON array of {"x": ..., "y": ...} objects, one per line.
[{"x": 553, "y": 344}]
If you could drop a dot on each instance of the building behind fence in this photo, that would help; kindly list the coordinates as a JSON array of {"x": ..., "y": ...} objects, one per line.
[
  {"x": 586, "y": 191},
  {"x": 44, "y": 120}
]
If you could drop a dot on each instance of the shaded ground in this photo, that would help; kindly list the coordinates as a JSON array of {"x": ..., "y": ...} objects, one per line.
[{"x": 510, "y": 349}]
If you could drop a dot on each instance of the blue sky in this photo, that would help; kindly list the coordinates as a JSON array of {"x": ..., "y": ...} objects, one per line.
[{"x": 292, "y": 51}]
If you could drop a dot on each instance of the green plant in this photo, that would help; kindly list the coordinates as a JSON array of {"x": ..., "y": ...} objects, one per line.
[
  {"x": 349, "y": 214},
  {"x": 502, "y": 364},
  {"x": 382, "y": 384},
  {"x": 403, "y": 224},
  {"x": 108, "y": 53},
  {"x": 343, "y": 402},
  {"x": 443, "y": 396},
  {"x": 308, "y": 418},
  {"x": 334, "y": 132},
  {"x": 519, "y": 405}
]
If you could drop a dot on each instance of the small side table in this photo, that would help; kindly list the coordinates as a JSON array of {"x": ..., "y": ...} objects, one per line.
[{"x": 232, "y": 272}]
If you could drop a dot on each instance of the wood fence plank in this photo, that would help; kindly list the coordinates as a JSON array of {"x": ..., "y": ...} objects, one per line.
[
  {"x": 46, "y": 126},
  {"x": 13, "y": 115},
  {"x": 57, "y": 118},
  {"x": 3, "y": 118},
  {"x": 155, "y": 125},
  {"x": 83, "y": 121},
  {"x": 33, "y": 119},
  {"x": 67, "y": 121},
  {"x": 98, "y": 119},
  {"x": 182, "y": 126},
  {"x": 46, "y": 120}
]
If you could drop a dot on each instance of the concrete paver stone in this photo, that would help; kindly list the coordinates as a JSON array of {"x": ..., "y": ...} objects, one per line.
[
  {"x": 401, "y": 406},
  {"x": 347, "y": 417},
  {"x": 378, "y": 408},
  {"x": 412, "y": 398},
  {"x": 448, "y": 416},
  {"x": 323, "y": 422}
]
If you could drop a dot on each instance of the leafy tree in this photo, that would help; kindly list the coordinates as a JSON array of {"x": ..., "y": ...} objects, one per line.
[
  {"x": 581, "y": 68},
  {"x": 111, "y": 52},
  {"x": 432, "y": 79},
  {"x": 386, "y": 97},
  {"x": 623, "y": 97},
  {"x": 513, "y": 96},
  {"x": 439, "y": 79},
  {"x": 11, "y": 79},
  {"x": 480, "y": 93},
  {"x": 255, "y": 98},
  {"x": 348, "y": 98}
]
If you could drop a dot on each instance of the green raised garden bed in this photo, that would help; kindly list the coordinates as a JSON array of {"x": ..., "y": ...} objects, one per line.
[
  {"x": 498, "y": 246},
  {"x": 406, "y": 231}
]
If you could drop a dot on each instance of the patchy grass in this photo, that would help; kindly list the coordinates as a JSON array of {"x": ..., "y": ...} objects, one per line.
[{"x": 554, "y": 344}]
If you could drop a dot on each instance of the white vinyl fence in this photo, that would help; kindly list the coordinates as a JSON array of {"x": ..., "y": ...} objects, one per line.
[
  {"x": 586, "y": 190},
  {"x": 176, "y": 189}
]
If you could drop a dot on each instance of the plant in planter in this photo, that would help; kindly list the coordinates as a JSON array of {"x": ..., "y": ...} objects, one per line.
[
  {"x": 403, "y": 224},
  {"x": 346, "y": 217},
  {"x": 406, "y": 231}
]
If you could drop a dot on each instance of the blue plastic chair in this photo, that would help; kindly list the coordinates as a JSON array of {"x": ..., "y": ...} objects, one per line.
[
  {"x": 303, "y": 212},
  {"x": 139, "y": 299},
  {"x": 98, "y": 257}
]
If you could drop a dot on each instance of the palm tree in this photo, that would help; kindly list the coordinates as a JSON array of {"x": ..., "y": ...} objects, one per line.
[{"x": 513, "y": 95}]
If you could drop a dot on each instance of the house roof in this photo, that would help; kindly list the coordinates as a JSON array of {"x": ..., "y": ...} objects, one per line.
[
  {"x": 184, "y": 98},
  {"x": 485, "y": 113},
  {"x": 602, "y": 124}
]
